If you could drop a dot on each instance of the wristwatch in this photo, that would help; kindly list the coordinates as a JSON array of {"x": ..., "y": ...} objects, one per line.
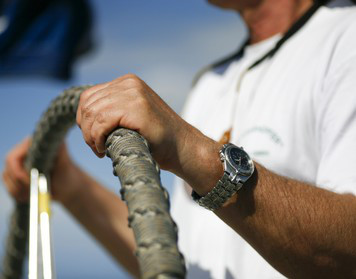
[{"x": 238, "y": 168}]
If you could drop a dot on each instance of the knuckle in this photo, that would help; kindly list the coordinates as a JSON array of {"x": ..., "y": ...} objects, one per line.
[
  {"x": 131, "y": 83},
  {"x": 141, "y": 103},
  {"x": 88, "y": 111},
  {"x": 95, "y": 135},
  {"x": 3, "y": 175},
  {"x": 131, "y": 76},
  {"x": 8, "y": 159},
  {"x": 138, "y": 94},
  {"x": 19, "y": 181},
  {"x": 13, "y": 190},
  {"x": 84, "y": 95},
  {"x": 77, "y": 119},
  {"x": 87, "y": 137},
  {"x": 101, "y": 117},
  {"x": 88, "y": 141},
  {"x": 132, "y": 80}
]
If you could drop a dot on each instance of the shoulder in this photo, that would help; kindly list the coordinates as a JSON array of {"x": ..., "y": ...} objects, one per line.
[
  {"x": 338, "y": 17},
  {"x": 329, "y": 39},
  {"x": 340, "y": 38}
]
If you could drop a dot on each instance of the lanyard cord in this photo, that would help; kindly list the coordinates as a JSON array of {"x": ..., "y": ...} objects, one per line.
[
  {"x": 226, "y": 137},
  {"x": 292, "y": 30}
]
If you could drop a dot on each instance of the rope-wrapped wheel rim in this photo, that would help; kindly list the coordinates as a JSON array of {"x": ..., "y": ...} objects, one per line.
[{"x": 147, "y": 201}]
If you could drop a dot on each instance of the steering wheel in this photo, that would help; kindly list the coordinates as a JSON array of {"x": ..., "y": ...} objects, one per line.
[{"x": 148, "y": 202}]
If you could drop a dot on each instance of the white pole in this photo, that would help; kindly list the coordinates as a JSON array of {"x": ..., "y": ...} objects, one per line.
[
  {"x": 44, "y": 211},
  {"x": 33, "y": 238}
]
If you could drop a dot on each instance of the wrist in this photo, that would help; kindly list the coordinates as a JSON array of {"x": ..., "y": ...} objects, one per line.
[
  {"x": 200, "y": 164},
  {"x": 238, "y": 169},
  {"x": 71, "y": 186},
  {"x": 210, "y": 168}
]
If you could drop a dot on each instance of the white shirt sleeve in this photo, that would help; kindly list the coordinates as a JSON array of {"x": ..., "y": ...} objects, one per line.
[{"x": 336, "y": 118}]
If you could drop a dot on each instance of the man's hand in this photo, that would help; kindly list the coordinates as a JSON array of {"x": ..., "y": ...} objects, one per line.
[
  {"x": 15, "y": 176},
  {"x": 129, "y": 102},
  {"x": 64, "y": 182}
]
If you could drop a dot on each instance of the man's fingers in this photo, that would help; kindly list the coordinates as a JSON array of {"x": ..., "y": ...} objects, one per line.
[
  {"x": 15, "y": 165},
  {"x": 19, "y": 191},
  {"x": 88, "y": 114},
  {"x": 100, "y": 106},
  {"x": 15, "y": 162},
  {"x": 10, "y": 186},
  {"x": 17, "y": 181},
  {"x": 100, "y": 113},
  {"x": 94, "y": 107},
  {"x": 103, "y": 125},
  {"x": 98, "y": 154},
  {"x": 15, "y": 175},
  {"x": 85, "y": 96},
  {"x": 99, "y": 94}
]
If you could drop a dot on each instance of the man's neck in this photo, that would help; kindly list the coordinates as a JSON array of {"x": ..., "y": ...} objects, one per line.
[{"x": 272, "y": 17}]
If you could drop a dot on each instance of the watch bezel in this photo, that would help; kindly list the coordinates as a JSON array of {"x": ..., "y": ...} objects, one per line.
[{"x": 238, "y": 169}]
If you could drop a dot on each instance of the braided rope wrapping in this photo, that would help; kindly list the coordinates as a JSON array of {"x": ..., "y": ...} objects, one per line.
[
  {"x": 147, "y": 201},
  {"x": 16, "y": 244},
  {"x": 49, "y": 133},
  {"x": 155, "y": 231}
]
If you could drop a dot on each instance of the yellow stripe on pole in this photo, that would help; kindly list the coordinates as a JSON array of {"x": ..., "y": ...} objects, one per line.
[{"x": 44, "y": 201}]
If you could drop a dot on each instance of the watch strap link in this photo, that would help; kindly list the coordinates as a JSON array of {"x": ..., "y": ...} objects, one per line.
[{"x": 223, "y": 190}]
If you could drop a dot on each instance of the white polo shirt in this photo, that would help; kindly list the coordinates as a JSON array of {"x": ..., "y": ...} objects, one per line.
[{"x": 295, "y": 114}]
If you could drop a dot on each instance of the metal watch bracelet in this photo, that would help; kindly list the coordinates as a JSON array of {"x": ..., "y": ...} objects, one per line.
[{"x": 223, "y": 190}]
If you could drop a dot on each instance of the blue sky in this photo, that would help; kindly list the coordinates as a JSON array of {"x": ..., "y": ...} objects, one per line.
[{"x": 163, "y": 42}]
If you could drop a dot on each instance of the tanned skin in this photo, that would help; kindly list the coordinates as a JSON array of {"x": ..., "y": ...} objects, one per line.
[{"x": 300, "y": 229}]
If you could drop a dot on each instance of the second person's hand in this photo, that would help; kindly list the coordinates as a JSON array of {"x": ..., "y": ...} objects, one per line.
[{"x": 65, "y": 177}]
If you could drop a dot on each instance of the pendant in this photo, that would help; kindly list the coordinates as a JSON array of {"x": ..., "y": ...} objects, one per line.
[{"x": 226, "y": 137}]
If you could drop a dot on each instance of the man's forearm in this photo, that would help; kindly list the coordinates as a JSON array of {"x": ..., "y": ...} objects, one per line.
[
  {"x": 302, "y": 230},
  {"x": 104, "y": 215}
]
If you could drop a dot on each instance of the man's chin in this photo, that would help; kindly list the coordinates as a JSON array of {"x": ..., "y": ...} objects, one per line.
[
  {"x": 223, "y": 4},
  {"x": 237, "y": 5}
]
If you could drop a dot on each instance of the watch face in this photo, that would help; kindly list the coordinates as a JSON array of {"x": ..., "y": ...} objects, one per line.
[{"x": 241, "y": 160}]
